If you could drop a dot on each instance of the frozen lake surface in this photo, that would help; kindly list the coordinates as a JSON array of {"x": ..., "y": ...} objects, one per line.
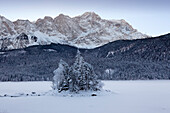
[{"x": 125, "y": 97}]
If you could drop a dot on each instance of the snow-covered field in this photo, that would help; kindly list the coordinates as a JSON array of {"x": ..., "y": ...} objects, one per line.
[{"x": 125, "y": 97}]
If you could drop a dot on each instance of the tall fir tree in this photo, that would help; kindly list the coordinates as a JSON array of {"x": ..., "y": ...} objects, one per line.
[{"x": 78, "y": 70}]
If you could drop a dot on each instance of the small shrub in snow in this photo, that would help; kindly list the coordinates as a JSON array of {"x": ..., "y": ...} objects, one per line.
[{"x": 80, "y": 76}]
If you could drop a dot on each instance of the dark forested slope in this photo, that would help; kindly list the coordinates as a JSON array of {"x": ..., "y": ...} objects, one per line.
[{"x": 119, "y": 60}]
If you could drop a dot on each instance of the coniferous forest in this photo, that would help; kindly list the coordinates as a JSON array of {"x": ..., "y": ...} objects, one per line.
[{"x": 119, "y": 60}]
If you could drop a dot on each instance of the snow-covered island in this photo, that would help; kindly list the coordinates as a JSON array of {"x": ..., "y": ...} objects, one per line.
[{"x": 79, "y": 77}]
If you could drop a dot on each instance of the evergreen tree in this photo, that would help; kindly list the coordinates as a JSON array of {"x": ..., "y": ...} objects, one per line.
[
  {"x": 91, "y": 78},
  {"x": 78, "y": 71},
  {"x": 73, "y": 83},
  {"x": 85, "y": 75},
  {"x": 61, "y": 77}
]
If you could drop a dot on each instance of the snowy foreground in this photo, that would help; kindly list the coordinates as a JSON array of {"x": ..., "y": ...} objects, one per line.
[{"x": 125, "y": 97}]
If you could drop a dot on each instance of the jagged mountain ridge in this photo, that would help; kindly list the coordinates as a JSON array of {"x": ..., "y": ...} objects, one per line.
[
  {"x": 84, "y": 31},
  {"x": 124, "y": 60}
]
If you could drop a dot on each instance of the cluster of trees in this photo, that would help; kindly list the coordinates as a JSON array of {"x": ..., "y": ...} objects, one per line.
[{"x": 80, "y": 76}]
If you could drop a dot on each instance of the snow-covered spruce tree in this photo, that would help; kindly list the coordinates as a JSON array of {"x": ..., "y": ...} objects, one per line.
[
  {"x": 78, "y": 71},
  {"x": 80, "y": 76},
  {"x": 61, "y": 77},
  {"x": 86, "y": 79},
  {"x": 91, "y": 78}
]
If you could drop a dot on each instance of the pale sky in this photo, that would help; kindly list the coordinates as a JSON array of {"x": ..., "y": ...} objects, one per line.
[{"x": 151, "y": 17}]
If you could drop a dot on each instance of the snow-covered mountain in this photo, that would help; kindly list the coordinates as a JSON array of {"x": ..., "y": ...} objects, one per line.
[{"x": 84, "y": 31}]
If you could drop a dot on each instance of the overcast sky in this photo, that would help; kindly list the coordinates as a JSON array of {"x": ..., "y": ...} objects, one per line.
[{"x": 147, "y": 16}]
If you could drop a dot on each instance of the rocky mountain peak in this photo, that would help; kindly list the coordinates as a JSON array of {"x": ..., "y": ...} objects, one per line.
[
  {"x": 89, "y": 16},
  {"x": 24, "y": 26},
  {"x": 48, "y": 18},
  {"x": 62, "y": 17},
  {"x": 88, "y": 30},
  {"x": 2, "y": 18},
  {"x": 6, "y": 27}
]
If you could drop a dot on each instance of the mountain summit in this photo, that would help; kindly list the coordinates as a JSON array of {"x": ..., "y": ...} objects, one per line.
[{"x": 85, "y": 31}]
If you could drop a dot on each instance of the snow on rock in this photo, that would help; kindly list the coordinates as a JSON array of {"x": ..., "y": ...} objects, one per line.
[
  {"x": 6, "y": 28},
  {"x": 24, "y": 26},
  {"x": 84, "y": 31}
]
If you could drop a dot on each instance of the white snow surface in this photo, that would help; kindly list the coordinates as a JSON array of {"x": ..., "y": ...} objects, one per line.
[{"x": 125, "y": 97}]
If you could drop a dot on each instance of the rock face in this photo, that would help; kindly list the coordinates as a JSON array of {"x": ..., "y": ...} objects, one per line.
[
  {"x": 84, "y": 31},
  {"x": 6, "y": 27}
]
